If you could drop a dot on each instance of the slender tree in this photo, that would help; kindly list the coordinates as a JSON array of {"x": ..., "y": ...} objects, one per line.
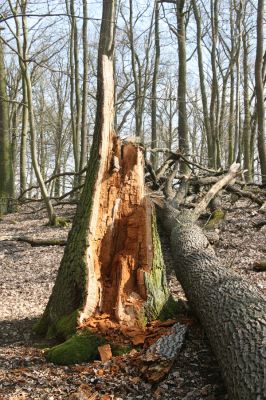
[
  {"x": 247, "y": 127},
  {"x": 84, "y": 114},
  {"x": 182, "y": 82},
  {"x": 154, "y": 84},
  {"x": 27, "y": 80},
  {"x": 6, "y": 173},
  {"x": 259, "y": 91}
]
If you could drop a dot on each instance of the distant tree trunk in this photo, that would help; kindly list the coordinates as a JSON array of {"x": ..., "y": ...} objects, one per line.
[
  {"x": 231, "y": 117},
  {"x": 259, "y": 91},
  {"x": 202, "y": 84},
  {"x": 154, "y": 86},
  {"x": 76, "y": 83},
  {"x": 23, "y": 142},
  {"x": 136, "y": 75},
  {"x": 220, "y": 137},
  {"x": 247, "y": 128},
  {"x": 140, "y": 72},
  {"x": 6, "y": 172},
  {"x": 112, "y": 262},
  {"x": 74, "y": 90},
  {"x": 182, "y": 83},
  {"x": 25, "y": 115},
  {"x": 27, "y": 81},
  {"x": 230, "y": 157},
  {"x": 84, "y": 114},
  {"x": 214, "y": 88}
]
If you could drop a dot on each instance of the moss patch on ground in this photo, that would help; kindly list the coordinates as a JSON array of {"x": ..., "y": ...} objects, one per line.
[
  {"x": 81, "y": 347},
  {"x": 172, "y": 309},
  {"x": 217, "y": 216},
  {"x": 119, "y": 350}
]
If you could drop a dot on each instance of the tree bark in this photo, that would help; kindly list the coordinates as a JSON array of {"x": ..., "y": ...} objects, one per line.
[
  {"x": 259, "y": 91},
  {"x": 231, "y": 310},
  {"x": 182, "y": 84},
  {"x": 154, "y": 85},
  {"x": 246, "y": 127},
  {"x": 84, "y": 114},
  {"x": 112, "y": 263},
  {"x": 214, "y": 87},
  {"x": 202, "y": 83},
  {"x": 6, "y": 172}
]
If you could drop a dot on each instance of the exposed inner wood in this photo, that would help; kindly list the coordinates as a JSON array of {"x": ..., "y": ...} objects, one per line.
[{"x": 120, "y": 238}]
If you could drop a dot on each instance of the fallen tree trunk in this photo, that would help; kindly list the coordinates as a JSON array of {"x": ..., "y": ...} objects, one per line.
[
  {"x": 34, "y": 242},
  {"x": 231, "y": 310}
]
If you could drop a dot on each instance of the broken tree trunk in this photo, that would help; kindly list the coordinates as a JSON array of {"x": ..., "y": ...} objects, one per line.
[
  {"x": 112, "y": 265},
  {"x": 112, "y": 269},
  {"x": 231, "y": 310}
]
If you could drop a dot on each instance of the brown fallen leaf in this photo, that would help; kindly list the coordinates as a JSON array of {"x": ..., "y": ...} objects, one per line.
[
  {"x": 84, "y": 392},
  {"x": 138, "y": 339},
  {"x": 100, "y": 372}
]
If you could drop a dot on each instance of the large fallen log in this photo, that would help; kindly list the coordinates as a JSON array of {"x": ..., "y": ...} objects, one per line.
[{"x": 231, "y": 310}]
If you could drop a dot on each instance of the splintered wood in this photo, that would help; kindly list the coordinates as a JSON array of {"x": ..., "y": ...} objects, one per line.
[{"x": 120, "y": 239}]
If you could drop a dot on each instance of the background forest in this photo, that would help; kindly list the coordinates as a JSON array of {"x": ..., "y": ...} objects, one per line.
[
  {"x": 189, "y": 75},
  {"x": 138, "y": 129}
]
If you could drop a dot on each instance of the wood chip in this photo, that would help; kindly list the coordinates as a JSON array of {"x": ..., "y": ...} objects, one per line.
[
  {"x": 105, "y": 352},
  {"x": 138, "y": 339}
]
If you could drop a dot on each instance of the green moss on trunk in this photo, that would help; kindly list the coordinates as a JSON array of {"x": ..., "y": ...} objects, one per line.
[
  {"x": 81, "y": 347},
  {"x": 155, "y": 280}
]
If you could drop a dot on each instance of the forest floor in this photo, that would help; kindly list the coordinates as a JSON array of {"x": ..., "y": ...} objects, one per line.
[{"x": 27, "y": 278}]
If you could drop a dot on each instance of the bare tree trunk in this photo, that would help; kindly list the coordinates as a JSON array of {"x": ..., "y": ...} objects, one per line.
[
  {"x": 27, "y": 79},
  {"x": 231, "y": 117},
  {"x": 247, "y": 127},
  {"x": 202, "y": 84},
  {"x": 84, "y": 115},
  {"x": 6, "y": 172},
  {"x": 214, "y": 89},
  {"x": 259, "y": 91},
  {"x": 154, "y": 86},
  {"x": 182, "y": 84}
]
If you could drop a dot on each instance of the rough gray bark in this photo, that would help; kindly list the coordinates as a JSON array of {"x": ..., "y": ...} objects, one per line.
[
  {"x": 157, "y": 361},
  {"x": 259, "y": 91},
  {"x": 231, "y": 311},
  {"x": 154, "y": 85},
  {"x": 182, "y": 84}
]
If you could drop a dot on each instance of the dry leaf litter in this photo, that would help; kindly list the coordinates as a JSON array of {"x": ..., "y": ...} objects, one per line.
[{"x": 27, "y": 277}]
